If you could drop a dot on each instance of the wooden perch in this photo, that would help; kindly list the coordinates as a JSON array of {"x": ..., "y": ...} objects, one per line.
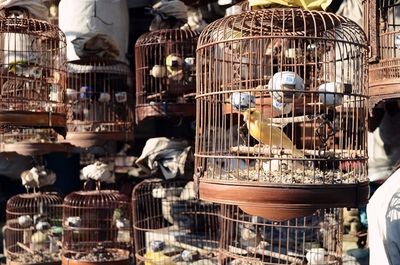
[
  {"x": 188, "y": 247},
  {"x": 27, "y": 249},
  {"x": 262, "y": 149},
  {"x": 274, "y": 255},
  {"x": 156, "y": 95}
]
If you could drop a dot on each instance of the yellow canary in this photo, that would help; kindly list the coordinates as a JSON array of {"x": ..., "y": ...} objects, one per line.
[
  {"x": 157, "y": 258},
  {"x": 262, "y": 130}
]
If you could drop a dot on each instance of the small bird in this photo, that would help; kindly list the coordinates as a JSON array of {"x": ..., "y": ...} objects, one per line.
[
  {"x": 123, "y": 223},
  {"x": 158, "y": 71},
  {"x": 25, "y": 221},
  {"x": 42, "y": 225},
  {"x": 73, "y": 221},
  {"x": 98, "y": 171},
  {"x": 263, "y": 131},
  {"x": 174, "y": 65},
  {"x": 190, "y": 256},
  {"x": 104, "y": 97}
]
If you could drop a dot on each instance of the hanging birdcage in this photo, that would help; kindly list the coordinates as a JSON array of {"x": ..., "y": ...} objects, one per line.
[
  {"x": 96, "y": 228},
  {"x": 382, "y": 25},
  {"x": 315, "y": 239},
  {"x": 281, "y": 112},
  {"x": 171, "y": 226},
  {"x": 33, "y": 74},
  {"x": 31, "y": 142},
  {"x": 165, "y": 74},
  {"x": 33, "y": 228},
  {"x": 100, "y": 101}
]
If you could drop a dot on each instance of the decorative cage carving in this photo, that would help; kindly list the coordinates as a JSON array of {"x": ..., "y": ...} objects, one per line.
[
  {"x": 100, "y": 100},
  {"x": 96, "y": 227},
  {"x": 171, "y": 226},
  {"x": 281, "y": 112},
  {"x": 315, "y": 239},
  {"x": 165, "y": 74},
  {"x": 33, "y": 228},
  {"x": 32, "y": 74},
  {"x": 382, "y": 25}
]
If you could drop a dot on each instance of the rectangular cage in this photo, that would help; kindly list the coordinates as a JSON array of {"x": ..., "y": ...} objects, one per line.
[
  {"x": 33, "y": 229},
  {"x": 165, "y": 73},
  {"x": 100, "y": 102},
  {"x": 96, "y": 228},
  {"x": 171, "y": 226},
  {"x": 282, "y": 112},
  {"x": 247, "y": 239}
]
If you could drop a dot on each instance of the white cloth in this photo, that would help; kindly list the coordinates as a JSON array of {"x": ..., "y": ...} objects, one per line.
[
  {"x": 108, "y": 17},
  {"x": 383, "y": 211},
  {"x": 167, "y": 155},
  {"x": 36, "y": 8},
  {"x": 96, "y": 44},
  {"x": 352, "y": 9}
]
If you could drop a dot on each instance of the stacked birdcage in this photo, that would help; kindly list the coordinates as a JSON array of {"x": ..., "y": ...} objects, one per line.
[
  {"x": 100, "y": 100},
  {"x": 382, "y": 24},
  {"x": 281, "y": 112},
  {"x": 96, "y": 228},
  {"x": 246, "y": 239},
  {"x": 33, "y": 73},
  {"x": 171, "y": 226},
  {"x": 33, "y": 228},
  {"x": 165, "y": 74}
]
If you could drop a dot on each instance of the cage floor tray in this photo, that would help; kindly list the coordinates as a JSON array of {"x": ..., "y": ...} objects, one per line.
[
  {"x": 159, "y": 110},
  {"x": 89, "y": 139},
  {"x": 282, "y": 202},
  {"x": 32, "y": 149}
]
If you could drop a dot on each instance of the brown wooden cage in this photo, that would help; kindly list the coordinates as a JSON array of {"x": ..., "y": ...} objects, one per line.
[
  {"x": 96, "y": 228},
  {"x": 246, "y": 239},
  {"x": 32, "y": 74},
  {"x": 281, "y": 112},
  {"x": 165, "y": 74},
  {"x": 171, "y": 226},
  {"x": 100, "y": 100},
  {"x": 382, "y": 25},
  {"x": 33, "y": 228}
]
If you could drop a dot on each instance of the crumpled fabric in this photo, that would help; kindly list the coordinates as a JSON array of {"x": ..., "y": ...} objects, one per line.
[
  {"x": 169, "y": 15},
  {"x": 305, "y": 4},
  {"x": 195, "y": 20},
  {"x": 36, "y": 8},
  {"x": 96, "y": 44},
  {"x": 168, "y": 156}
]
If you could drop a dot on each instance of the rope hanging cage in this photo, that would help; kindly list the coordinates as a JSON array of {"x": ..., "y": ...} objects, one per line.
[
  {"x": 33, "y": 227},
  {"x": 382, "y": 25},
  {"x": 100, "y": 102},
  {"x": 247, "y": 239},
  {"x": 281, "y": 112},
  {"x": 96, "y": 228},
  {"x": 32, "y": 74},
  {"x": 165, "y": 74},
  {"x": 170, "y": 226}
]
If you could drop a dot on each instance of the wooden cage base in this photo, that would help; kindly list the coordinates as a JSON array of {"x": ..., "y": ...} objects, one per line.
[
  {"x": 10, "y": 262},
  {"x": 383, "y": 89},
  {"x": 124, "y": 261},
  {"x": 285, "y": 201},
  {"x": 33, "y": 149},
  {"x": 89, "y": 139},
  {"x": 160, "y": 110},
  {"x": 32, "y": 119}
]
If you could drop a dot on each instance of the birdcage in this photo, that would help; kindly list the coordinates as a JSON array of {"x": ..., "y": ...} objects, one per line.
[
  {"x": 165, "y": 74},
  {"x": 32, "y": 141},
  {"x": 382, "y": 24},
  {"x": 96, "y": 228},
  {"x": 246, "y": 239},
  {"x": 100, "y": 100},
  {"x": 32, "y": 74},
  {"x": 33, "y": 228},
  {"x": 281, "y": 112},
  {"x": 170, "y": 226}
]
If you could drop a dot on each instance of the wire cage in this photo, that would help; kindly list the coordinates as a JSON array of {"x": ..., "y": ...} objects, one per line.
[
  {"x": 32, "y": 74},
  {"x": 96, "y": 228},
  {"x": 100, "y": 100},
  {"x": 170, "y": 226},
  {"x": 247, "y": 239},
  {"x": 382, "y": 24},
  {"x": 31, "y": 141},
  {"x": 281, "y": 112},
  {"x": 33, "y": 228},
  {"x": 165, "y": 74}
]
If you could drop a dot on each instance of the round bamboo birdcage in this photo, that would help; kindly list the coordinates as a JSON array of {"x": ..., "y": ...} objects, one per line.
[
  {"x": 281, "y": 112},
  {"x": 382, "y": 25},
  {"x": 165, "y": 74},
  {"x": 96, "y": 228},
  {"x": 171, "y": 226},
  {"x": 33, "y": 228},
  {"x": 315, "y": 239},
  {"x": 100, "y": 100},
  {"x": 32, "y": 74}
]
